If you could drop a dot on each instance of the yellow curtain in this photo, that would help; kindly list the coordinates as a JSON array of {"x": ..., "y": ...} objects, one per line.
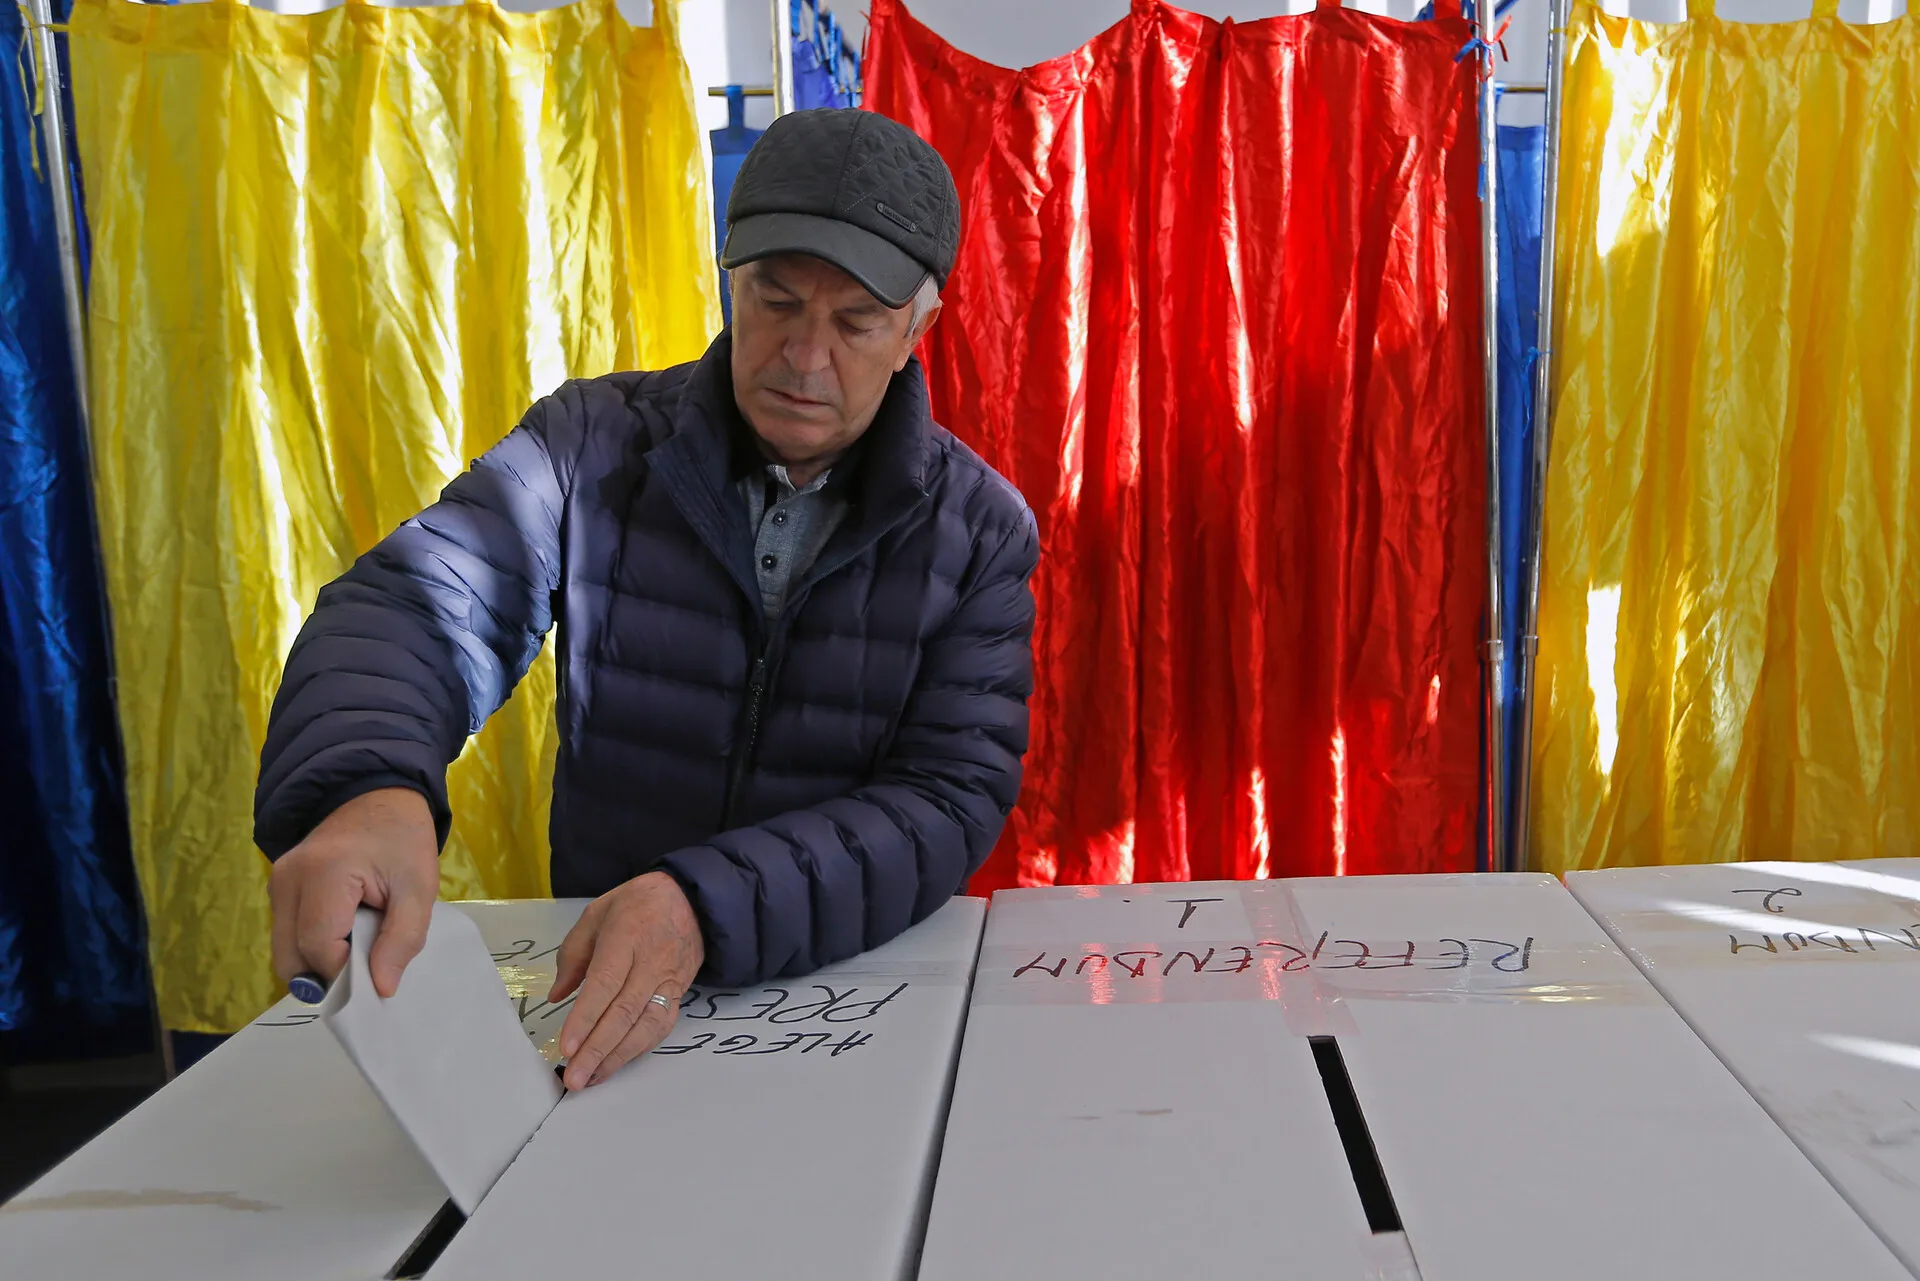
[
  {"x": 1730, "y": 620},
  {"x": 334, "y": 258}
]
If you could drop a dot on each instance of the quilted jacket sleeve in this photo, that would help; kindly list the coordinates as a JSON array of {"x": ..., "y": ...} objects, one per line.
[
  {"x": 409, "y": 651},
  {"x": 819, "y": 885}
]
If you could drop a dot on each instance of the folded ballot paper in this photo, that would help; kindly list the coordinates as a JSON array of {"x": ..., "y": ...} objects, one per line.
[{"x": 445, "y": 1053}]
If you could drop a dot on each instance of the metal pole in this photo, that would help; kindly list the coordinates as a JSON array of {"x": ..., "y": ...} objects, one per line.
[
  {"x": 53, "y": 127},
  {"x": 1531, "y": 547},
  {"x": 1495, "y": 648},
  {"x": 782, "y": 56}
]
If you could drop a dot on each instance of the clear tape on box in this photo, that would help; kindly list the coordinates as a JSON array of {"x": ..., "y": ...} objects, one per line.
[
  {"x": 1699, "y": 933},
  {"x": 1309, "y": 972}
]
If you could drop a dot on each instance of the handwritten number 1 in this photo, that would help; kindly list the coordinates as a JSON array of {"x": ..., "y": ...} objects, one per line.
[{"x": 1192, "y": 906}]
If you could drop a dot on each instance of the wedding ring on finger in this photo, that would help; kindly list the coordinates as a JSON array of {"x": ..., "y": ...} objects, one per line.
[{"x": 661, "y": 1001}]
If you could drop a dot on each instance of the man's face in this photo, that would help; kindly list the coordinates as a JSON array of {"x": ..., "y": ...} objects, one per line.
[{"x": 813, "y": 352}]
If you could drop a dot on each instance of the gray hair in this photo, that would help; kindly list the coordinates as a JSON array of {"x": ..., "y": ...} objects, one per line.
[{"x": 925, "y": 299}]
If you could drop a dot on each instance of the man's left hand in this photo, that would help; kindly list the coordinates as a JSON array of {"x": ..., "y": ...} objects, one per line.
[{"x": 634, "y": 942}]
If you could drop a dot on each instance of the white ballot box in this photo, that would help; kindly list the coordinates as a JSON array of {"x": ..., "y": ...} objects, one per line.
[
  {"x": 1132, "y": 1101},
  {"x": 788, "y": 1130},
  {"x": 1805, "y": 979},
  {"x": 270, "y": 1158},
  {"x": 1218, "y": 1079},
  {"x": 1538, "y": 1110}
]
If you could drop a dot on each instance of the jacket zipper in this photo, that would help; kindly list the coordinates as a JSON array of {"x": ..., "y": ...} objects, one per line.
[
  {"x": 742, "y": 763},
  {"x": 749, "y": 739}
]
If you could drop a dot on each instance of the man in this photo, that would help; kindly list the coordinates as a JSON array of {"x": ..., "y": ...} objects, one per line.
[{"x": 795, "y": 631}]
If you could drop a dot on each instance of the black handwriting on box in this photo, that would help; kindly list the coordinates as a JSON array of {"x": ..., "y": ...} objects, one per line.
[
  {"x": 782, "y": 1005},
  {"x": 1767, "y": 904},
  {"x": 1836, "y": 939},
  {"x": 746, "y": 1043},
  {"x": 1327, "y": 953},
  {"x": 522, "y": 951},
  {"x": 1188, "y": 906}
]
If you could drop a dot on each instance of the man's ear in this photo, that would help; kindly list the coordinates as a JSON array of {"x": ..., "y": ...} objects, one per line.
[{"x": 918, "y": 332}]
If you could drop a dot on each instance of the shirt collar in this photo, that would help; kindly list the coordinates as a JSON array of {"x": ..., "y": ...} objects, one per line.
[
  {"x": 778, "y": 471},
  {"x": 747, "y": 459}
]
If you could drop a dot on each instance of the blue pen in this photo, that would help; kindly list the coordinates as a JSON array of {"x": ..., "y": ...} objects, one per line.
[{"x": 309, "y": 988}]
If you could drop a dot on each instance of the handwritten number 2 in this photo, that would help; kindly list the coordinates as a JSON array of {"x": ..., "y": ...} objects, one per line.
[{"x": 1766, "y": 903}]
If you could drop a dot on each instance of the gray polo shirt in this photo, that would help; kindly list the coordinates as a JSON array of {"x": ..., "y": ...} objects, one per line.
[{"x": 790, "y": 527}]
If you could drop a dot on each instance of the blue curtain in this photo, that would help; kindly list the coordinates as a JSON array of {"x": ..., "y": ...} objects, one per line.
[
  {"x": 72, "y": 953},
  {"x": 1521, "y": 149}
]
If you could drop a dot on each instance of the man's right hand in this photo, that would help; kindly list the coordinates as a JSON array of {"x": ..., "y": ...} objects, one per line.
[{"x": 379, "y": 849}]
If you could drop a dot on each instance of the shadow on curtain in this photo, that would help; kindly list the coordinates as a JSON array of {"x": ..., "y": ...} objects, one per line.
[
  {"x": 337, "y": 256},
  {"x": 73, "y": 977},
  {"x": 1217, "y": 315},
  {"x": 1730, "y": 625}
]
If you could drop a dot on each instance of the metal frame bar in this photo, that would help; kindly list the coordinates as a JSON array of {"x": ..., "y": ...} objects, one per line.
[
  {"x": 1532, "y": 547},
  {"x": 1494, "y": 648},
  {"x": 53, "y": 128},
  {"x": 781, "y": 12}
]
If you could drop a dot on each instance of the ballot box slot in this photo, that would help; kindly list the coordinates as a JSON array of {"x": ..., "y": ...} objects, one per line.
[
  {"x": 426, "y": 1247},
  {"x": 1376, "y": 1198}
]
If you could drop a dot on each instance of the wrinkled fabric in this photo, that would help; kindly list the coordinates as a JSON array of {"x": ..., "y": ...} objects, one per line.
[
  {"x": 872, "y": 778},
  {"x": 1217, "y": 313},
  {"x": 1522, "y": 152},
  {"x": 336, "y": 256},
  {"x": 72, "y": 971},
  {"x": 1730, "y": 622}
]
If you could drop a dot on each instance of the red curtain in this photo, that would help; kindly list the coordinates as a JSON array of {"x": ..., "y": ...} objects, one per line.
[{"x": 1217, "y": 314}]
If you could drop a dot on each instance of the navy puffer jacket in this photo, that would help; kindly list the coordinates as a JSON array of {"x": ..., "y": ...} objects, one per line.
[{"x": 892, "y": 717}]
